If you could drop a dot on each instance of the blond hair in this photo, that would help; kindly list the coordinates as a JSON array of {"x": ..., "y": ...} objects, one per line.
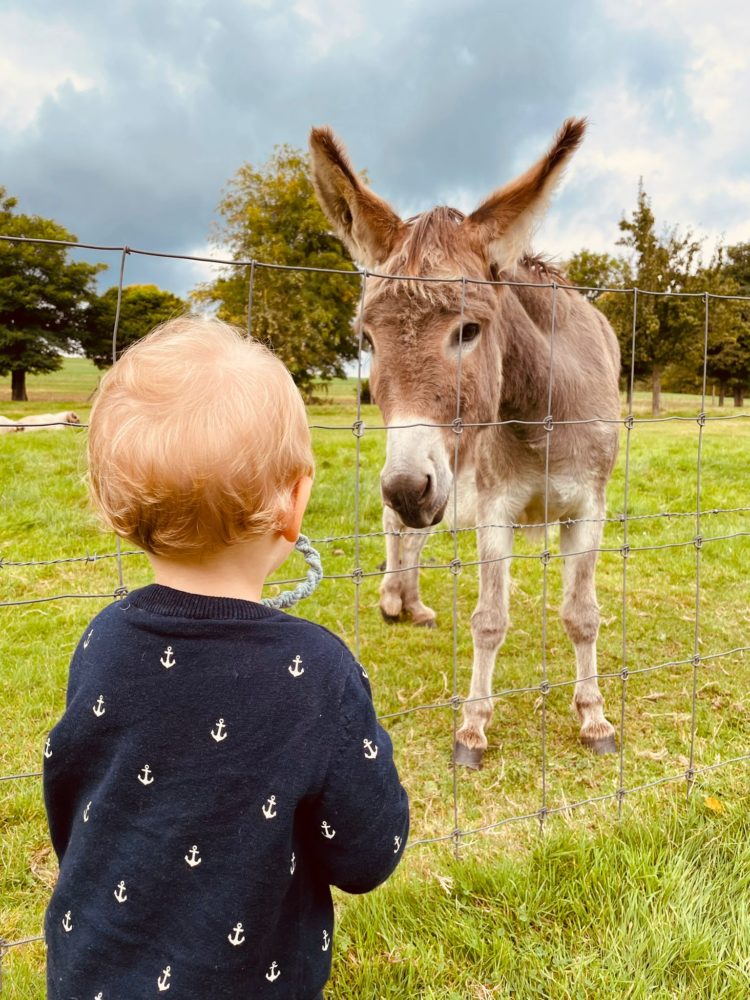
[{"x": 197, "y": 438}]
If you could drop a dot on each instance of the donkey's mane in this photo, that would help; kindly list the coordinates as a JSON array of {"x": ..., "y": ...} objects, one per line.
[
  {"x": 430, "y": 240},
  {"x": 429, "y": 249},
  {"x": 542, "y": 267}
]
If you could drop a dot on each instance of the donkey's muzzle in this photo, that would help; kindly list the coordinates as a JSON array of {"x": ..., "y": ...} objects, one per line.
[{"x": 414, "y": 499}]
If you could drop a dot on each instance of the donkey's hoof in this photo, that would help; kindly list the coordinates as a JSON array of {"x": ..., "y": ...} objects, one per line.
[
  {"x": 426, "y": 623},
  {"x": 601, "y": 746},
  {"x": 391, "y": 619},
  {"x": 468, "y": 756}
]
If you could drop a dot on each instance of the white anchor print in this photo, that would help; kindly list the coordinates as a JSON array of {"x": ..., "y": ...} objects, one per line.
[
  {"x": 99, "y": 996},
  {"x": 86, "y": 812},
  {"x": 144, "y": 778},
  {"x": 294, "y": 667},
  {"x": 293, "y": 864},
  {"x": 371, "y": 751},
  {"x": 237, "y": 937},
  {"x": 364, "y": 672},
  {"x": 161, "y": 982},
  {"x": 220, "y": 733},
  {"x": 273, "y": 973},
  {"x": 326, "y": 941},
  {"x": 168, "y": 659},
  {"x": 47, "y": 750},
  {"x": 397, "y": 842},
  {"x": 328, "y": 832},
  {"x": 269, "y": 810},
  {"x": 193, "y": 859},
  {"x": 119, "y": 892},
  {"x": 66, "y": 922},
  {"x": 87, "y": 640},
  {"x": 99, "y": 708}
]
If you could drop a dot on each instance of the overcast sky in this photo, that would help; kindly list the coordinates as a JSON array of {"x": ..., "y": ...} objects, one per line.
[{"x": 124, "y": 120}]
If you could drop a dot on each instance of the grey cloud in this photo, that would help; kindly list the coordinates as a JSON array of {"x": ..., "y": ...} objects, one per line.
[{"x": 430, "y": 98}]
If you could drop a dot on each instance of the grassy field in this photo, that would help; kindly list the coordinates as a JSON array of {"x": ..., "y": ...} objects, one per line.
[
  {"x": 74, "y": 383},
  {"x": 77, "y": 380},
  {"x": 654, "y": 905}
]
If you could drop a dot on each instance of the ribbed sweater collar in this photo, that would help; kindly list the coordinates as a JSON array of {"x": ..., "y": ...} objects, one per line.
[{"x": 160, "y": 600}]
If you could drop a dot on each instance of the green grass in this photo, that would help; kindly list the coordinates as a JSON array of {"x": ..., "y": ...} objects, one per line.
[
  {"x": 73, "y": 383},
  {"x": 653, "y": 906}
]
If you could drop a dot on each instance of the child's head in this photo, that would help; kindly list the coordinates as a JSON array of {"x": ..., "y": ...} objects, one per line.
[{"x": 197, "y": 439}]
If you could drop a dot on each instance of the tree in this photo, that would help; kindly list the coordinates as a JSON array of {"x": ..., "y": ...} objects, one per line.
[
  {"x": 141, "y": 309},
  {"x": 43, "y": 296},
  {"x": 597, "y": 271},
  {"x": 663, "y": 323},
  {"x": 271, "y": 216},
  {"x": 728, "y": 352},
  {"x": 737, "y": 266},
  {"x": 714, "y": 347},
  {"x": 593, "y": 272},
  {"x": 729, "y": 364}
]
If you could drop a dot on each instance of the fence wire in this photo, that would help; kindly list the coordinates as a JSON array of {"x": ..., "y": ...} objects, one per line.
[{"x": 359, "y": 573}]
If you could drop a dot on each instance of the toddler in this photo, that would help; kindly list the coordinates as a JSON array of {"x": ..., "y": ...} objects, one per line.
[{"x": 219, "y": 764}]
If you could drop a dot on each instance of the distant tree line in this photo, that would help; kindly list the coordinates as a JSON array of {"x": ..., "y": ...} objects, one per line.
[
  {"x": 672, "y": 342},
  {"x": 50, "y": 305}
]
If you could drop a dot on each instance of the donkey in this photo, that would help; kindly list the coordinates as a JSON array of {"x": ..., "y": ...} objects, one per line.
[{"x": 522, "y": 353}]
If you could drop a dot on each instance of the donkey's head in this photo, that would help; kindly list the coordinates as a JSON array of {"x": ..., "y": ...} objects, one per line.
[{"x": 435, "y": 339}]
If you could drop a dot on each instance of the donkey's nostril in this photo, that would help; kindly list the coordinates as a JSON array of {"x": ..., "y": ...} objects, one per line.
[{"x": 412, "y": 496}]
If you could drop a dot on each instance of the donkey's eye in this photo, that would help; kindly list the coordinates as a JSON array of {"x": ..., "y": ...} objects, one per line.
[
  {"x": 469, "y": 333},
  {"x": 367, "y": 344}
]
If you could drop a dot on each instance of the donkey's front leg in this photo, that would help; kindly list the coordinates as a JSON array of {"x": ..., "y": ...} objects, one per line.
[
  {"x": 489, "y": 624},
  {"x": 580, "y": 615},
  {"x": 399, "y": 590}
]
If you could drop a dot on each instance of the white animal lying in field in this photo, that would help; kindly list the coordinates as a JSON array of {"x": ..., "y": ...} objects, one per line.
[
  {"x": 8, "y": 426},
  {"x": 47, "y": 421}
]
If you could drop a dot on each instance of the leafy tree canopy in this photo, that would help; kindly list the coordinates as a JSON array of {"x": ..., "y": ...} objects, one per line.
[
  {"x": 271, "y": 216},
  {"x": 142, "y": 307},
  {"x": 728, "y": 344},
  {"x": 738, "y": 266},
  {"x": 593, "y": 272}
]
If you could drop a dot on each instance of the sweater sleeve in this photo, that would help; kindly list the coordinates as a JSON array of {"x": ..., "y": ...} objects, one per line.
[{"x": 360, "y": 821}]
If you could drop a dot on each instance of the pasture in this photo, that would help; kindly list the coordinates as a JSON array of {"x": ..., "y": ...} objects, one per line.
[{"x": 653, "y": 904}]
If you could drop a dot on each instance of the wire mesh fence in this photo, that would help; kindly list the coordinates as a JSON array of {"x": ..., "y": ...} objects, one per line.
[{"x": 362, "y": 569}]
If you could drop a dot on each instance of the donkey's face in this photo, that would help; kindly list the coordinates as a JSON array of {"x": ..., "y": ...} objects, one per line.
[
  {"x": 435, "y": 340},
  {"x": 434, "y": 357}
]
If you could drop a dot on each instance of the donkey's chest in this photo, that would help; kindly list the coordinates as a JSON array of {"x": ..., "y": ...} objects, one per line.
[
  {"x": 520, "y": 500},
  {"x": 461, "y": 510},
  {"x": 552, "y": 498},
  {"x": 564, "y": 463},
  {"x": 527, "y": 485}
]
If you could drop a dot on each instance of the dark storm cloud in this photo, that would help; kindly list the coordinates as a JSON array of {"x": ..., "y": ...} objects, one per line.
[
  {"x": 478, "y": 93},
  {"x": 429, "y": 98}
]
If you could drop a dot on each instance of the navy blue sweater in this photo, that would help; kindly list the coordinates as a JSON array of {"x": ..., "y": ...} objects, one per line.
[{"x": 219, "y": 765}]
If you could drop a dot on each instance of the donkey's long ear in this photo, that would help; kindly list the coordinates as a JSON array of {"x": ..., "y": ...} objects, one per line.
[
  {"x": 367, "y": 225},
  {"x": 506, "y": 220}
]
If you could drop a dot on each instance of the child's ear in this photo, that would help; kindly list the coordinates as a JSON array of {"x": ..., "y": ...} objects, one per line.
[{"x": 293, "y": 520}]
